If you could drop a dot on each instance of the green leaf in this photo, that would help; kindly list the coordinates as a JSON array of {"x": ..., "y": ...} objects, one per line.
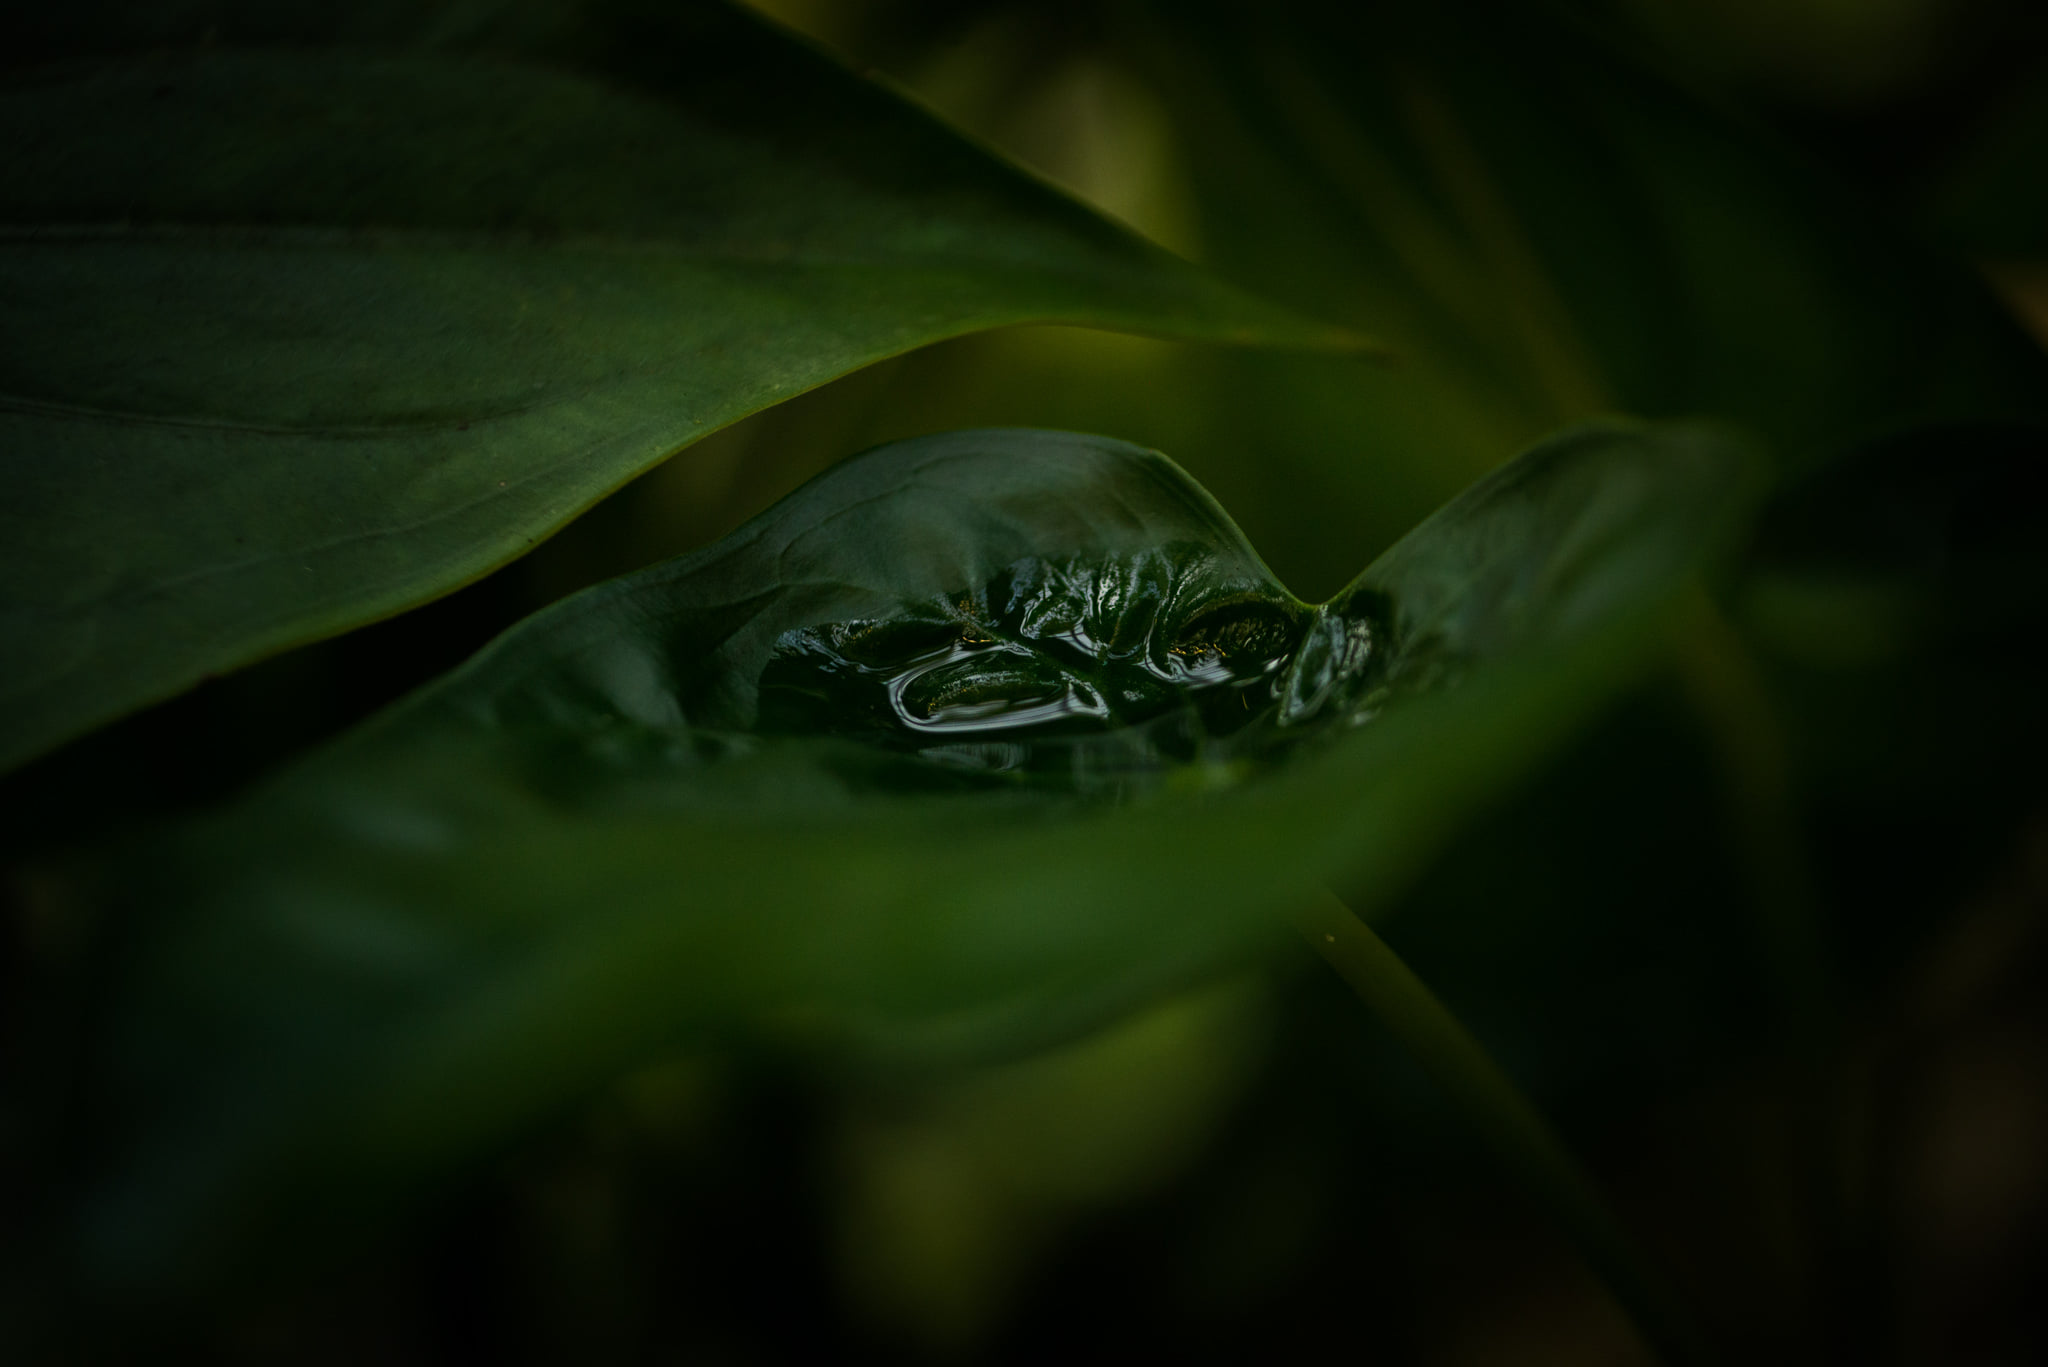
[
  {"x": 314, "y": 316},
  {"x": 971, "y": 743}
]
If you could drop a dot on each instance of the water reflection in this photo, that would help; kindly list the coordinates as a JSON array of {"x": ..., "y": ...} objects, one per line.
[{"x": 1092, "y": 676}]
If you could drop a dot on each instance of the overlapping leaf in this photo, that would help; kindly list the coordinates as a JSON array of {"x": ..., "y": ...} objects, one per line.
[{"x": 315, "y": 312}]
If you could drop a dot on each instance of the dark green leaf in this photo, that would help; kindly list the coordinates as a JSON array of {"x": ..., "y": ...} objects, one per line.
[
  {"x": 313, "y": 316},
  {"x": 969, "y": 743}
]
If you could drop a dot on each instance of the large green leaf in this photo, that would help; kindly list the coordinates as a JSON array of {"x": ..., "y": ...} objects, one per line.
[
  {"x": 969, "y": 743},
  {"x": 314, "y": 315}
]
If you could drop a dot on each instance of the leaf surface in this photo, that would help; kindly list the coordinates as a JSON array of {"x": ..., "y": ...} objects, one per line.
[
  {"x": 971, "y": 743},
  {"x": 314, "y": 316}
]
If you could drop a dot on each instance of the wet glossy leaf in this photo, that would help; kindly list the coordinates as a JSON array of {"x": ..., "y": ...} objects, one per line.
[
  {"x": 314, "y": 313},
  {"x": 968, "y": 744}
]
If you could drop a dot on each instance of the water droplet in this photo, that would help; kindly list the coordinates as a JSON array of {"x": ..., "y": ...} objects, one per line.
[{"x": 1096, "y": 677}]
